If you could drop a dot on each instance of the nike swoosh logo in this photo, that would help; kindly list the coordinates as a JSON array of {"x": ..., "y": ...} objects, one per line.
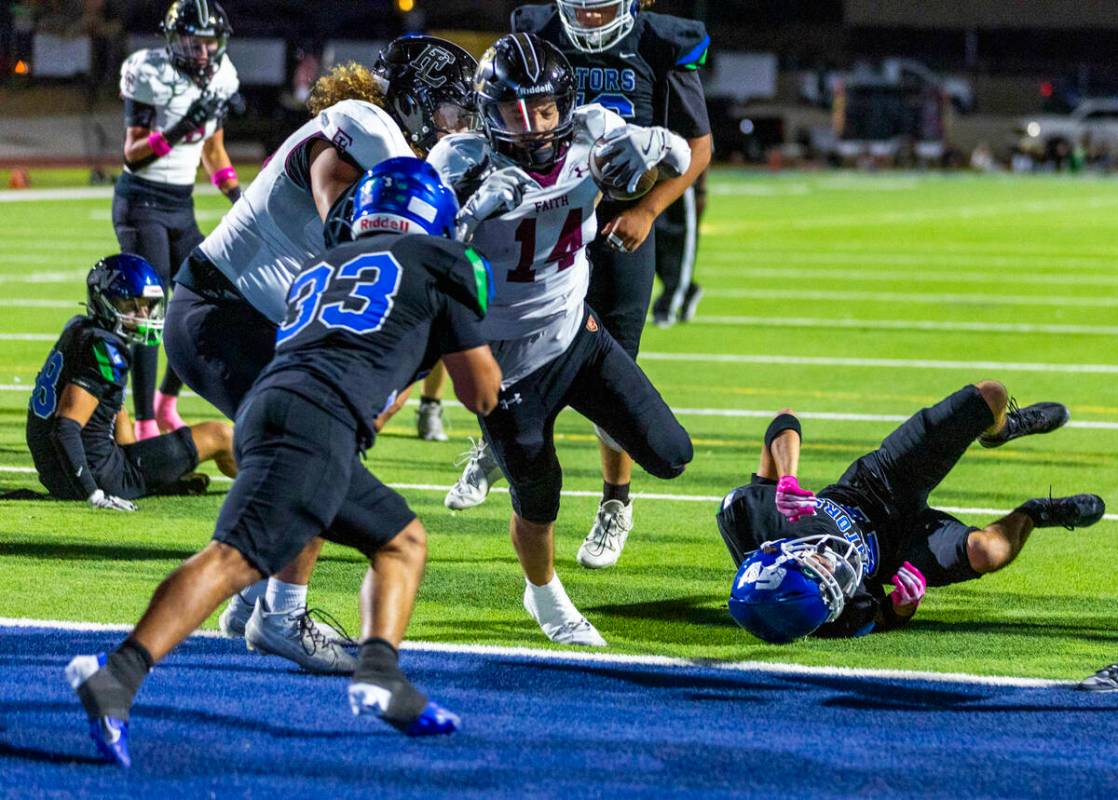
[{"x": 627, "y": 55}]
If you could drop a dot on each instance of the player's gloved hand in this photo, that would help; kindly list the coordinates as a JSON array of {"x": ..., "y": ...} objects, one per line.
[
  {"x": 793, "y": 501},
  {"x": 630, "y": 152},
  {"x": 208, "y": 106},
  {"x": 910, "y": 588},
  {"x": 500, "y": 192},
  {"x": 107, "y": 501}
]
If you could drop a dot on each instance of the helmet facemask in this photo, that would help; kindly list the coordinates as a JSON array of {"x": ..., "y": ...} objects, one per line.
[
  {"x": 594, "y": 26},
  {"x": 533, "y": 131},
  {"x": 197, "y": 35},
  {"x": 832, "y": 562},
  {"x": 137, "y": 319}
]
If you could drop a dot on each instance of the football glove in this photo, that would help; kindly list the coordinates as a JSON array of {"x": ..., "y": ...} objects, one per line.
[
  {"x": 500, "y": 192},
  {"x": 208, "y": 106},
  {"x": 110, "y": 502},
  {"x": 910, "y": 588},
  {"x": 631, "y": 151},
  {"x": 792, "y": 501}
]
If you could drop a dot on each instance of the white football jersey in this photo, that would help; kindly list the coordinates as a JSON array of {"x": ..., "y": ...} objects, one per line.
[
  {"x": 149, "y": 77},
  {"x": 538, "y": 250},
  {"x": 261, "y": 244}
]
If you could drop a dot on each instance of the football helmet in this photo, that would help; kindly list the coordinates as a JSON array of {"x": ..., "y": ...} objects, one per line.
[
  {"x": 403, "y": 195},
  {"x": 788, "y": 588},
  {"x": 597, "y": 25},
  {"x": 126, "y": 296},
  {"x": 428, "y": 88},
  {"x": 197, "y": 33},
  {"x": 526, "y": 97}
]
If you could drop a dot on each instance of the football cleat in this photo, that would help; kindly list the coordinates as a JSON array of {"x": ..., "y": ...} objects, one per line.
[
  {"x": 603, "y": 545},
  {"x": 562, "y": 623},
  {"x": 662, "y": 319},
  {"x": 430, "y": 422},
  {"x": 109, "y": 734},
  {"x": 1105, "y": 680},
  {"x": 1027, "y": 421},
  {"x": 298, "y": 638},
  {"x": 691, "y": 299},
  {"x": 236, "y": 615},
  {"x": 477, "y": 478},
  {"x": 1077, "y": 511},
  {"x": 433, "y": 720}
]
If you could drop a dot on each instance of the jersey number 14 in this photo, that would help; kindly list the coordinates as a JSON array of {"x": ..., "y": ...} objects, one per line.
[{"x": 562, "y": 255}]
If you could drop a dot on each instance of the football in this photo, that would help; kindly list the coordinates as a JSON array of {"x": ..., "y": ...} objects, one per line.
[{"x": 611, "y": 190}]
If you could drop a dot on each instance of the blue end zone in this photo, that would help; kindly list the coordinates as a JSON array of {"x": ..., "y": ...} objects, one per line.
[{"x": 214, "y": 718}]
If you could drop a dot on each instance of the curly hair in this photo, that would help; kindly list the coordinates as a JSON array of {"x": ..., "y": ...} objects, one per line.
[
  {"x": 350, "y": 81},
  {"x": 647, "y": 3}
]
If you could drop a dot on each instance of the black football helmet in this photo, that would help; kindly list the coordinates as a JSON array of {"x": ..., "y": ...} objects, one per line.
[
  {"x": 526, "y": 97},
  {"x": 428, "y": 88},
  {"x": 197, "y": 33}
]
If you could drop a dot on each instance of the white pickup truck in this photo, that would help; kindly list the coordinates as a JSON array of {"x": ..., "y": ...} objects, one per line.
[{"x": 1093, "y": 123}]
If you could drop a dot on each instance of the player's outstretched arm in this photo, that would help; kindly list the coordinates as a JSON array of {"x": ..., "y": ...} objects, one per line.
[
  {"x": 476, "y": 377},
  {"x": 780, "y": 461},
  {"x": 75, "y": 407}
]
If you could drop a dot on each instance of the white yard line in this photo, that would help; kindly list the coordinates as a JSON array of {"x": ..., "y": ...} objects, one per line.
[
  {"x": 917, "y": 298},
  {"x": 906, "y": 325},
  {"x": 1018, "y": 267},
  {"x": 917, "y": 276},
  {"x": 676, "y": 498},
  {"x": 593, "y": 658}
]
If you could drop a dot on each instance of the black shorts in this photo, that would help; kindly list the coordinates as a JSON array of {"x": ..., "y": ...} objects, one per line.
[
  {"x": 598, "y": 379},
  {"x": 748, "y": 517},
  {"x": 301, "y": 477},
  {"x": 621, "y": 284},
  {"x": 215, "y": 341}
]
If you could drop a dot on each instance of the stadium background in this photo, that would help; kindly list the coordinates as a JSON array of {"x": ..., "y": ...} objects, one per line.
[{"x": 855, "y": 283}]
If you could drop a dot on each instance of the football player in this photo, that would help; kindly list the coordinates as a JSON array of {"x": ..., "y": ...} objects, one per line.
[
  {"x": 820, "y": 563},
  {"x": 221, "y": 323},
  {"x": 644, "y": 67},
  {"x": 174, "y": 100},
  {"x": 532, "y": 215},
  {"x": 78, "y": 430},
  {"x": 361, "y": 321}
]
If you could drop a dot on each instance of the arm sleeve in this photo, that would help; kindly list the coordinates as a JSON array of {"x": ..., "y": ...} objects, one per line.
[{"x": 66, "y": 436}]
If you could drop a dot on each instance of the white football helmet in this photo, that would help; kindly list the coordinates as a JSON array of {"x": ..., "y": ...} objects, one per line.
[{"x": 597, "y": 25}]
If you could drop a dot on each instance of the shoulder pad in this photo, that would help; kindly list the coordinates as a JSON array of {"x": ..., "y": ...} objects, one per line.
[
  {"x": 461, "y": 159},
  {"x": 364, "y": 132},
  {"x": 680, "y": 43},
  {"x": 532, "y": 19},
  {"x": 595, "y": 121},
  {"x": 226, "y": 82},
  {"x": 144, "y": 77},
  {"x": 457, "y": 269}
]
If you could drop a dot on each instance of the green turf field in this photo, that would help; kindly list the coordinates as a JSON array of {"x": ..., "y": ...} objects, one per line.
[{"x": 851, "y": 294}]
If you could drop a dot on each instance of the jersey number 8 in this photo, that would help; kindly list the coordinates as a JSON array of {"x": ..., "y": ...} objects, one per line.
[
  {"x": 370, "y": 296},
  {"x": 45, "y": 397}
]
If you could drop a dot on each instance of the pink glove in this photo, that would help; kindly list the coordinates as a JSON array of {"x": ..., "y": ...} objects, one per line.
[
  {"x": 910, "y": 587},
  {"x": 792, "y": 501}
]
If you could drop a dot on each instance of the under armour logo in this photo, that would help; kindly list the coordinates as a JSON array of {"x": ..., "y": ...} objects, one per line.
[
  {"x": 580, "y": 170},
  {"x": 430, "y": 63},
  {"x": 515, "y": 400}
]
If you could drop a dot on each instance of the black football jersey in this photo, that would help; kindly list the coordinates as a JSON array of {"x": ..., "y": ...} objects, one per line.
[
  {"x": 369, "y": 317},
  {"x": 650, "y": 77},
  {"x": 98, "y": 361}
]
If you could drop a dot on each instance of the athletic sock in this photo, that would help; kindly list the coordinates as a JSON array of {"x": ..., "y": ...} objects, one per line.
[
  {"x": 551, "y": 601},
  {"x": 426, "y": 401},
  {"x": 280, "y": 596},
  {"x": 109, "y": 691},
  {"x": 378, "y": 665},
  {"x": 615, "y": 491},
  {"x": 250, "y": 594}
]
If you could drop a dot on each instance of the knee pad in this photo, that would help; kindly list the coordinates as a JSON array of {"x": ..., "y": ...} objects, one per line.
[{"x": 537, "y": 500}]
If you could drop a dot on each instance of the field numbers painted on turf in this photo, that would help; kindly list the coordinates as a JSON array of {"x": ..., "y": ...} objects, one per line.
[
  {"x": 45, "y": 397},
  {"x": 372, "y": 280}
]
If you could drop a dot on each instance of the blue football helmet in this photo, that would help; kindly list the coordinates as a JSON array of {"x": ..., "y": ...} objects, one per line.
[
  {"x": 788, "y": 588},
  {"x": 403, "y": 195},
  {"x": 125, "y": 295}
]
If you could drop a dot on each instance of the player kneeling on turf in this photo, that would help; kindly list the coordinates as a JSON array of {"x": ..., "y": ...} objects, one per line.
[
  {"x": 77, "y": 429},
  {"x": 363, "y": 321},
  {"x": 820, "y": 563}
]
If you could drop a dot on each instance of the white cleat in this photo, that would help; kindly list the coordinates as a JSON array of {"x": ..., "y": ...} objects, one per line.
[
  {"x": 430, "y": 423},
  {"x": 477, "y": 479},
  {"x": 295, "y": 636},
  {"x": 562, "y": 623},
  {"x": 234, "y": 618},
  {"x": 603, "y": 545}
]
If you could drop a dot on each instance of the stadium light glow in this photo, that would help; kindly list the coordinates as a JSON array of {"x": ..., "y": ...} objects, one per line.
[{"x": 404, "y": 6}]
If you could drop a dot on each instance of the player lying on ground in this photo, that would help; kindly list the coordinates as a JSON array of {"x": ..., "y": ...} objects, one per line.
[
  {"x": 221, "y": 323},
  {"x": 820, "y": 563},
  {"x": 78, "y": 431},
  {"x": 362, "y": 321},
  {"x": 533, "y": 215}
]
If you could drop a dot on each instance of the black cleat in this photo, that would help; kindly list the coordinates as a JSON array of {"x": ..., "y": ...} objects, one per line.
[
  {"x": 1027, "y": 421},
  {"x": 691, "y": 300},
  {"x": 1105, "y": 680},
  {"x": 191, "y": 484},
  {"x": 1077, "y": 511}
]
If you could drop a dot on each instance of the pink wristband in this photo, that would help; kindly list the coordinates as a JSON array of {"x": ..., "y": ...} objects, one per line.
[
  {"x": 159, "y": 145},
  {"x": 222, "y": 175}
]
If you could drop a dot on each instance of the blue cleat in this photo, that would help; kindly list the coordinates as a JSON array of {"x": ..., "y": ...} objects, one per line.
[
  {"x": 434, "y": 721},
  {"x": 110, "y": 734}
]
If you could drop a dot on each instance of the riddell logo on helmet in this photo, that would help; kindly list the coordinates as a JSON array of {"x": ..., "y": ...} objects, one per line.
[
  {"x": 383, "y": 222},
  {"x": 545, "y": 88}
]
